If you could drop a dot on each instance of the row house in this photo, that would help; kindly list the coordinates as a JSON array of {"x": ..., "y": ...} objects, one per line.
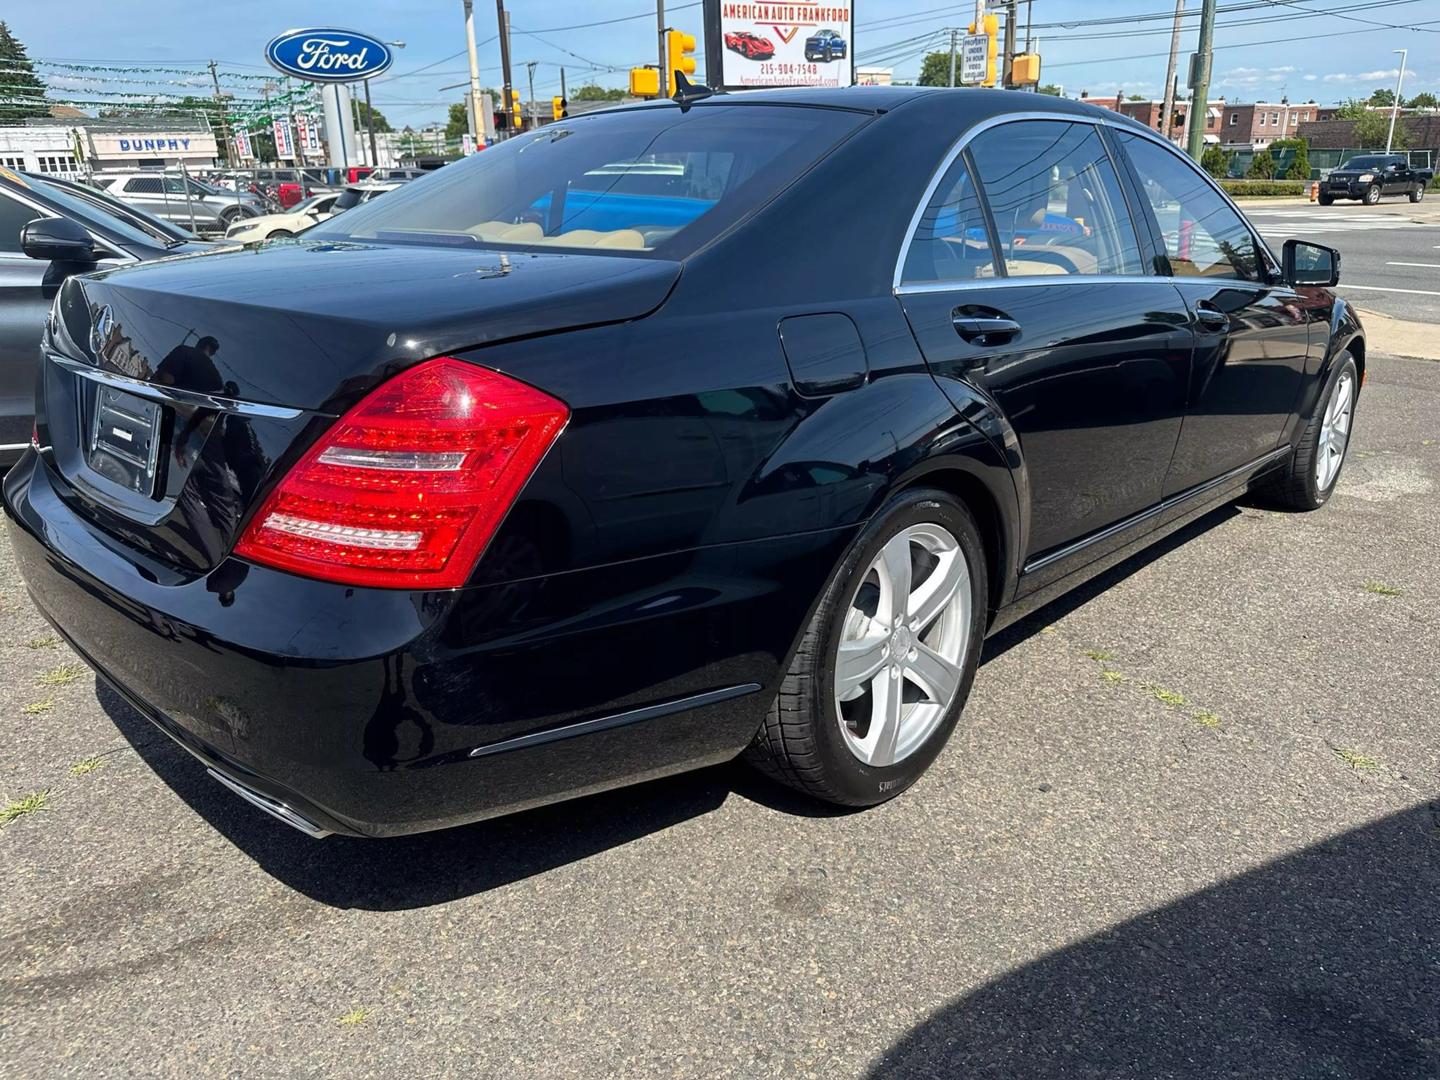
[{"x": 1233, "y": 125}]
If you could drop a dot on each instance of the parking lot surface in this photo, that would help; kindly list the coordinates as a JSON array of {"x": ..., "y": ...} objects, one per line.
[{"x": 1188, "y": 827}]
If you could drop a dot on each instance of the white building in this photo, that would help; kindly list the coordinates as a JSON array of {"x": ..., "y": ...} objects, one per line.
[
  {"x": 874, "y": 76},
  {"x": 73, "y": 147}
]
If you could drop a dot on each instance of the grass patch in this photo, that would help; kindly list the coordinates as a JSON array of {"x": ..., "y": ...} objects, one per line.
[
  {"x": 49, "y": 641},
  {"x": 1047, "y": 629},
  {"x": 1356, "y": 760},
  {"x": 35, "y": 708},
  {"x": 1379, "y": 588},
  {"x": 1097, "y": 654},
  {"x": 87, "y": 766},
  {"x": 30, "y": 804},
  {"x": 354, "y": 1017},
  {"x": 1169, "y": 697},
  {"x": 1206, "y": 718},
  {"x": 1112, "y": 676},
  {"x": 65, "y": 673}
]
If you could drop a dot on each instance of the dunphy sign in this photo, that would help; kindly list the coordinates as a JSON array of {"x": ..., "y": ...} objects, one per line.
[{"x": 328, "y": 55}]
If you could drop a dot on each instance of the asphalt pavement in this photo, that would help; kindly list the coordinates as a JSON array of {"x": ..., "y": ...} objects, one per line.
[
  {"x": 1390, "y": 253},
  {"x": 1189, "y": 827}
]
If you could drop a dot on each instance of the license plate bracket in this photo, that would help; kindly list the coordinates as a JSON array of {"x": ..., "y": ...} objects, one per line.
[{"x": 125, "y": 439}]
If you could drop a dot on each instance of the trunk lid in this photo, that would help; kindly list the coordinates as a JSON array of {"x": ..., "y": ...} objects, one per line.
[{"x": 174, "y": 392}]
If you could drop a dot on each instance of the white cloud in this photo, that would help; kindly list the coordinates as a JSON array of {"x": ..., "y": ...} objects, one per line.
[
  {"x": 1311, "y": 78},
  {"x": 1392, "y": 73}
]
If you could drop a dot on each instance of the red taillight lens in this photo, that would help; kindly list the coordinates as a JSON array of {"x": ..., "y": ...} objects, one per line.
[{"x": 409, "y": 486}]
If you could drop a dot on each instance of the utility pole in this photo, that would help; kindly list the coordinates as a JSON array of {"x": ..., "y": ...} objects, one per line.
[
  {"x": 220, "y": 113},
  {"x": 503, "y": 21},
  {"x": 665, "y": 76},
  {"x": 1395, "y": 105},
  {"x": 1168, "y": 107},
  {"x": 952, "y": 56},
  {"x": 370, "y": 126},
  {"x": 530, "y": 108},
  {"x": 1009, "y": 44},
  {"x": 477, "y": 124},
  {"x": 562, "y": 85},
  {"x": 1200, "y": 81}
]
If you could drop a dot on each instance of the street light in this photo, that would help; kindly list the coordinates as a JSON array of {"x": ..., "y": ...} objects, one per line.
[
  {"x": 370, "y": 113},
  {"x": 1395, "y": 105}
]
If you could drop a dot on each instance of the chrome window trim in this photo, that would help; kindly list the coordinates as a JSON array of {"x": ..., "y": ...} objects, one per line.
[{"x": 1117, "y": 123}]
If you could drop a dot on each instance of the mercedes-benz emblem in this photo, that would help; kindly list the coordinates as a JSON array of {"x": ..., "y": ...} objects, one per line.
[{"x": 100, "y": 329}]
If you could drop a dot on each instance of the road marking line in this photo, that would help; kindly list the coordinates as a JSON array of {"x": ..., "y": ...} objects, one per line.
[
  {"x": 1383, "y": 288},
  {"x": 1423, "y": 266}
]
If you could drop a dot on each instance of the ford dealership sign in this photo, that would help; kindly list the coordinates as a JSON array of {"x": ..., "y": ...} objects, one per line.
[{"x": 328, "y": 55}]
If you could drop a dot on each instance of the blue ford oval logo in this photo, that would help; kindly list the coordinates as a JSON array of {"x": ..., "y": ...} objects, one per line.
[{"x": 328, "y": 55}]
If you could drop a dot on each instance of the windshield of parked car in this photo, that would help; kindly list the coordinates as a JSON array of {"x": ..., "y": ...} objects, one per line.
[
  {"x": 167, "y": 233},
  {"x": 310, "y": 204},
  {"x": 91, "y": 215},
  {"x": 639, "y": 180},
  {"x": 1371, "y": 162}
]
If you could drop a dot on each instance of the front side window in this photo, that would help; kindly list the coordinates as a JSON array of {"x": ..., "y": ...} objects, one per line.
[
  {"x": 633, "y": 180},
  {"x": 1204, "y": 236},
  {"x": 14, "y": 216},
  {"x": 950, "y": 241},
  {"x": 1056, "y": 200}
]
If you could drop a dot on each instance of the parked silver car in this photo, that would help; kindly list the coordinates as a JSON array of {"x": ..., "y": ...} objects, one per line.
[{"x": 164, "y": 195}]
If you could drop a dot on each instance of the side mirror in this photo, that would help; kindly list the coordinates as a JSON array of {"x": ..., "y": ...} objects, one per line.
[
  {"x": 57, "y": 240},
  {"x": 1304, "y": 263}
]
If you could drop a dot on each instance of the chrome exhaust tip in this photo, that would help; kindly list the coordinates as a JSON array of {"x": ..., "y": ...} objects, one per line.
[{"x": 274, "y": 807}]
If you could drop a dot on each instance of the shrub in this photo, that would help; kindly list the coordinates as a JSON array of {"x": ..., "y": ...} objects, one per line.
[
  {"x": 1265, "y": 187},
  {"x": 1262, "y": 168},
  {"x": 1215, "y": 161}
]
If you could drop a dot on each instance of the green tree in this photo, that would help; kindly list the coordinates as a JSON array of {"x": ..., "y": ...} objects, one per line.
[
  {"x": 1262, "y": 167},
  {"x": 1299, "y": 167},
  {"x": 1382, "y": 97},
  {"x": 457, "y": 123},
  {"x": 1372, "y": 129},
  {"x": 594, "y": 92},
  {"x": 935, "y": 69},
  {"x": 1049, "y": 88},
  {"x": 1424, "y": 100},
  {"x": 22, "y": 92},
  {"x": 1351, "y": 109},
  {"x": 1136, "y": 97},
  {"x": 1215, "y": 161},
  {"x": 365, "y": 111}
]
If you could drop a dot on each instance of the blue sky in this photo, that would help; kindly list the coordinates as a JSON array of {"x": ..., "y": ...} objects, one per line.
[{"x": 1324, "y": 56}]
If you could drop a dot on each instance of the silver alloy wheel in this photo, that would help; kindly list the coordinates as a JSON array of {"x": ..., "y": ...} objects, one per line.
[
  {"x": 1334, "y": 432},
  {"x": 900, "y": 659}
]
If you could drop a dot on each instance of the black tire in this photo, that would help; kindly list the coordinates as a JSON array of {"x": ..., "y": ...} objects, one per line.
[
  {"x": 1417, "y": 193},
  {"x": 1326, "y": 200},
  {"x": 800, "y": 744},
  {"x": 1372, "y": 195},
  {"x": 1296, "y": 487},
  {"x": 280, "y": 234}
]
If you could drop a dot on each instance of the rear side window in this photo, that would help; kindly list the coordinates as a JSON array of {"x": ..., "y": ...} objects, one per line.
[
  {"x": 655, "y": 179},
  {"x": 950, "y": 241},
  {"x": 1056, "y": 200},
  {"x": 143, "y": 185},
  {"x": 1204, "y": 236}
]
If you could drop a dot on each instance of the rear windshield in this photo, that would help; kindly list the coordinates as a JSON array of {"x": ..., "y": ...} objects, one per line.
[{"x": 646, "y": 180}]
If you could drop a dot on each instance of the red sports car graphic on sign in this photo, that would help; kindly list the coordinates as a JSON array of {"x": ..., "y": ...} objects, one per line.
[{"x": 751, "y": 46}]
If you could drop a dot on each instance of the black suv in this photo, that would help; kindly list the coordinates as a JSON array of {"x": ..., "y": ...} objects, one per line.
[{"x": 1368, "y": 177}]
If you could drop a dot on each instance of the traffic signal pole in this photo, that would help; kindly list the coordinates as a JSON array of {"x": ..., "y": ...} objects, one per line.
[
  {"x": 952, "y": 56},
  {"x": 663, "y": 44},
  {"x": 503, "y": 24},
  {"x": 1168, "y": 108},
  {"x": 1200, "y": 81},
  {"x": 477, "y": 123}
]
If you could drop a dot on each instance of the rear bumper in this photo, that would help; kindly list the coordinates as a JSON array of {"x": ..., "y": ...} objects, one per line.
[{"x": 378, "y": 712}]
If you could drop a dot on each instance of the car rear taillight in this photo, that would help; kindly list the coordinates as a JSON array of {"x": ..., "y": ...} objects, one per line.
[{"x": 408, "y": 487}]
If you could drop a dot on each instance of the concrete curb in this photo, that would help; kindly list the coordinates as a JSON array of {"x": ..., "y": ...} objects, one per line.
[{"x": 1399, "y": 337}]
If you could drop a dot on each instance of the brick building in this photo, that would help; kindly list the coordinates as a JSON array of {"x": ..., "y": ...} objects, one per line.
[
  {"x": 1148, "y": 113},
  {"x": 1422, "y": 133},
  {"x": 1233, "y": 125}
]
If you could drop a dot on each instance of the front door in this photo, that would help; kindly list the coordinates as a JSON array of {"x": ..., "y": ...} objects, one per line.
[
  {"x": 23, "y": 306},
  {"x": 1251, "y": 331},
  {"x": 1052, "y": 309}
]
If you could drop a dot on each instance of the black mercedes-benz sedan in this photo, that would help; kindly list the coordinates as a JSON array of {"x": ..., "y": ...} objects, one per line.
[{"x": 603, "y": 455}]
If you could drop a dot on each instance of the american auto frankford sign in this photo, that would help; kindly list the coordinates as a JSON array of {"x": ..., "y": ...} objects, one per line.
[{"x": 801, "y": 43}]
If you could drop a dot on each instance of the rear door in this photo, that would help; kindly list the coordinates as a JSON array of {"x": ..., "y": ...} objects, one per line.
[
  {"x": 1052, "y": 307},
  {"x": 1251, "y": 330},
  {"x": 23, "y": 307}
]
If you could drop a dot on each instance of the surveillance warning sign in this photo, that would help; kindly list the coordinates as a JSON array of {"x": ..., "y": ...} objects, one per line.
[{"x": 752, "y": 44}]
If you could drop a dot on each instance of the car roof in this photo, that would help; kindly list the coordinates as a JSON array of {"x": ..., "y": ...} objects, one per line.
[{"x": 878, "y": 99}]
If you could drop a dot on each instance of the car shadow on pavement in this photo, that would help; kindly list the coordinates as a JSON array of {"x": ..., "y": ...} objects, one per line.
[
  {"x": 1081, "y": 595},
  {"x": 1321, "y": 965},
  {"x": 434, "y": 868}
]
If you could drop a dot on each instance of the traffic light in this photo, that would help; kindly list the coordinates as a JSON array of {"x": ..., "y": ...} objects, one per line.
[
  {"x": 1025, "y": 69},
  {"x": 557, "y": 108},
  {"x": 644, "y": 82},
  {"x": 991, "y": 29},
  {"x": 679, "y": 56},
  {"x": 517, "y": 119}
]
